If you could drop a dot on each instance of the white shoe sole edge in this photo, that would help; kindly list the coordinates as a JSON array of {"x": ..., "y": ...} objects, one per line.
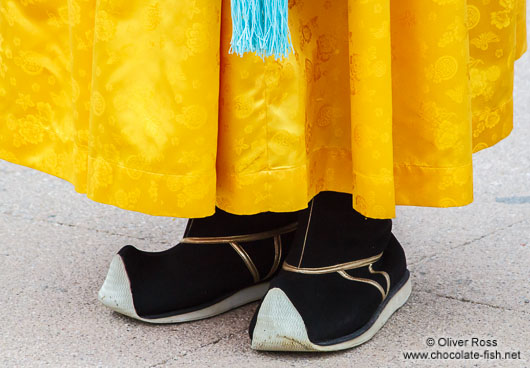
[
  {"x": 116, "y": 294},
  {"x": 279, "y": 326}
]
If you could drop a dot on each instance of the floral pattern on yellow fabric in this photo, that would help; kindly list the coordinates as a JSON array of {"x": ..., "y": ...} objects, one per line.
[{"x": 139, "y": 104}]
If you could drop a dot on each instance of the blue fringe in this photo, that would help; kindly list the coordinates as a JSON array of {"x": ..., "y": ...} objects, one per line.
[{"x": 261, "y": 26}]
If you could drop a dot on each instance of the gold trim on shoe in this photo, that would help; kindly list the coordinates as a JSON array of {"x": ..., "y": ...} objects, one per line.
[
  {"x": 277, "y": 256},
  {"x": 385, "y": 275},
  {"x": 343, "y": 267},
  {"x": 234, "y": 243},
  {"x": 339, "y": 267},
  {"x": 367, "y": 281},
  {"x": 248, "y": 261},
  {"x": 240, "y": 238}
]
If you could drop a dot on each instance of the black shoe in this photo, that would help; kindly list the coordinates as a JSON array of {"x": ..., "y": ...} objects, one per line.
[
  {"x": 224, "y": 261},
  {"x": 343, "y": 278}
]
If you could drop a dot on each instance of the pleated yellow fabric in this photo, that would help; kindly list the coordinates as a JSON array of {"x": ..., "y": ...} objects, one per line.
[{"x": 139, "y": 105}]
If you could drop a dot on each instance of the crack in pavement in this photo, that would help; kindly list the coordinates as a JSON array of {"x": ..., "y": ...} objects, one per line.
[
  {"x": 86, "y": 228},
  {"x": 474, "y": 302},
  {"x": 191, "y": 351},
  {"x": 447, "y": 249}
]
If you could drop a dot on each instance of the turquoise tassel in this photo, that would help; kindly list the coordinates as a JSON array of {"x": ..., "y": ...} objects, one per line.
[{"x": 261, "y": 26}]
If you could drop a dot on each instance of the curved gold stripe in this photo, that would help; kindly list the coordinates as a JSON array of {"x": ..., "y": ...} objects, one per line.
[
  {"x": 277, "y": 256},
  {"x": 248, "y": 261},
  {"x": 241, "y": 238},
  {"x": 329, "y": 269},
  {"x": 367, "y": 281},
  {"x": 385, "y": 274}
]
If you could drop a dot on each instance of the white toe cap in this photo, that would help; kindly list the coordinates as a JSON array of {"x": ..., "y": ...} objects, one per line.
[
  {"x": 279, "y": 326},
  {"x": 116, "y": 290}
]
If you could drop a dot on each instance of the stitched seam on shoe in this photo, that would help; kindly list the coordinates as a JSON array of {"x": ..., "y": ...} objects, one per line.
[{"x": 306, "y": 231}]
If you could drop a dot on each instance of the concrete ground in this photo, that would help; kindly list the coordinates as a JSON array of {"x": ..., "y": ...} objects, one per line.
[{"x": 470, "y": 268}]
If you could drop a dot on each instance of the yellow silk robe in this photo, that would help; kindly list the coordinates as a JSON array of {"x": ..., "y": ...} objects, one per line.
[{"x": 139, "y": 105}]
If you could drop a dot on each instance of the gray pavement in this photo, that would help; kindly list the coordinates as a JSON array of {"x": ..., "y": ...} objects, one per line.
[{"x": 470, "y": 267}]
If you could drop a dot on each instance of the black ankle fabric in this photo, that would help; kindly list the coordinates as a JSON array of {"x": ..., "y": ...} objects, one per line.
[
  {"x": 223, "y": 223},
  {"x": 191, "y": 276},
  {"x": 330, "y": 305},
  {"x": 337, "y": 233}
]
